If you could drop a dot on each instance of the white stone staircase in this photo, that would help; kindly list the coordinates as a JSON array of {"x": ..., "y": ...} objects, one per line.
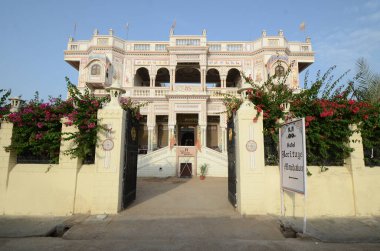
[
  {"x": 162, "y": 163},
  {"x": 159, "y": 163},
  {"x": 217, "y": 162}
]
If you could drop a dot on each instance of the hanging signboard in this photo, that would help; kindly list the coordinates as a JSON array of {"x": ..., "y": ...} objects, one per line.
[{"x": 293, "y": 156}]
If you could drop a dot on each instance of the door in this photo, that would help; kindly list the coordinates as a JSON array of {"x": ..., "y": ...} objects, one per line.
[
  {"x": 231, "y": 162},
  {"x": 130, "y": 159},
  {"x": 186, "y": 170}
]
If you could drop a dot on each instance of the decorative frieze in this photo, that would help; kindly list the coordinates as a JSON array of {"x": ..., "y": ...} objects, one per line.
[
  {"x": 187, "y": 88},
  {"x": 151, "y": 62},
  {"x": 187, "y": 57},
  {"x": 224, "y": 62},
  {"x": 161, "y": 108},
  {"x": 187, "y": 107}
]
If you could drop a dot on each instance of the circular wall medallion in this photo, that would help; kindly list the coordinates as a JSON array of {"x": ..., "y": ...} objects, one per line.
[
  {"x": 107, "y": 144},
  {"x": 251, "y": 146}
]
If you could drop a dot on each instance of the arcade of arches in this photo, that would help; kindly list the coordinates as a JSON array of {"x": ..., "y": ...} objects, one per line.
[{"x": 186, "y": 73}]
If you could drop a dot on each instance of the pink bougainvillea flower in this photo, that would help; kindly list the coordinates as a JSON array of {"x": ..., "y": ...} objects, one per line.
[
  {"x": 91, "y": 125},
  {"x": 68, "y": 123},
  {"x": 38, "y": 136}
]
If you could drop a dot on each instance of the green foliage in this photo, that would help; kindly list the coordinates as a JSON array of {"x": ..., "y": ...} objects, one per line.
[
  {"x": 4, "y": 105},
  {"x": 368, "y": 89},
  {"x": 203, "y": 169},
  {"x": 37, "y": 128},
  {"x": 328, "y": 109},
  {"x": 134, "y": 107},
  {"x": 368, "y": 83},
  {"x": 37, "y": 125},
  {"x": 232, "y": 104},
  {"x": 84, "y": 117}
]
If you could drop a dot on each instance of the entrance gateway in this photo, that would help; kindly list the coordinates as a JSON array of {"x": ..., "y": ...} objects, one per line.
[{"x": 184, "y": 74}]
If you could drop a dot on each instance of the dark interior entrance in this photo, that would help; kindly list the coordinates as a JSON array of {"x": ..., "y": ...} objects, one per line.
[
  {"x": 187, "y": 136},
  {"x": 187, "y": 129}
]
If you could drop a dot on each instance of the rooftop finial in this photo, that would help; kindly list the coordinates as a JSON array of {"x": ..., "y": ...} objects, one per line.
[
  {"x": 173, "y": 27},
  {"x": 308, "y": 40},
  {"x": 204, "y": 32},
  {"x": 281, "y": 33},
  {"x": 96, "y": 32},
  {"x": 111, "y": 32},
  {"x": 264, "y": 33}
]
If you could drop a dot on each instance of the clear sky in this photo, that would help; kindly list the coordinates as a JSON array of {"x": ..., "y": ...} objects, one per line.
[{"x": 34, "y": 34}]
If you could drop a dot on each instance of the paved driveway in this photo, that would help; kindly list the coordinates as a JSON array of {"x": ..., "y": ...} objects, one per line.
[
  {"x": 178, "y": 198},
  {"x": 174, "y": 209}
]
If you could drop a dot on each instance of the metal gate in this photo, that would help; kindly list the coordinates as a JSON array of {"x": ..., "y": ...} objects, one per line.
[
  {"x": 231, "y": 162},
  {"x": 130, "y": 159}
]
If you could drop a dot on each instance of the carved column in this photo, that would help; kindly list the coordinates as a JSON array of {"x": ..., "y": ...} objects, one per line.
[
  {"x": 223, "y": 81},
  {"x": 172, "y": 121},
  {"x": 172, "y": 78},
  {"x": 203, "y": 78},
  {"x": 150, "y": 138},
  {"x": 151, "y": 124},
  {"x": 203, "y": 135}
]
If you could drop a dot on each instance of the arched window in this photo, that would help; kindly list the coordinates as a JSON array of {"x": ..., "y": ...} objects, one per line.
[
  {"x": 233, "y": 78},
  {"x": 95, "y": 69},
  {"x": 279, "y": 71}
]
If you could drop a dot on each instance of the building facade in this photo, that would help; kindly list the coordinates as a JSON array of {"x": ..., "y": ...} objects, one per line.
[{"x": 182, "y": 79}]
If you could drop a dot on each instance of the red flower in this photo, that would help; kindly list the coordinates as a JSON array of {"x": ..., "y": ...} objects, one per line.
[
  {"x": 351, "y": 102},
  {"x": 40, "y": 124},
  {"x": 327, "y": 113},
  {"x": 356, "y": 109},
  {"x": 38, "y": 136},
  {"x": 259, "y": 109},
  {"x": 365, "y": 117},
  {"x": 69, "y": 123},
  {"x": 309, "y": 118},
  {"x": 255, "y": 119},
  {"x": 91, "y": 125}
]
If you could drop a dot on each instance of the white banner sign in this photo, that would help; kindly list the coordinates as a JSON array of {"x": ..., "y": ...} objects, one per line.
[{"x": 293, "y": 156}]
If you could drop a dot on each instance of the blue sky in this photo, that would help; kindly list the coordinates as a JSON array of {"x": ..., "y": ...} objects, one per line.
[{"x": 35, "y": 33}]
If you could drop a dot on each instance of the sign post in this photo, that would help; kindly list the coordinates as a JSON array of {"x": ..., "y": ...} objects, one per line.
[{"x": 293, "y": 160}]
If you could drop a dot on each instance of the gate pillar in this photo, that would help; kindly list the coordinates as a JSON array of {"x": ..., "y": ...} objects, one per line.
[
  {"x": 107, "y": 186},
  {"x": 249, "y": 150}
]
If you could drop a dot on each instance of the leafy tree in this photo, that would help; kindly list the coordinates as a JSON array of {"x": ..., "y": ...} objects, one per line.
[
  {"x": 368, "y": 89},
  {"x": 4, "y": 105},
  {"x": 368, "y": 82}
]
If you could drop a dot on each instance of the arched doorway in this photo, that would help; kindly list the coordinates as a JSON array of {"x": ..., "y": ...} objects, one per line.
[
  {"x": 233, "y": 78},
  {"x": 142, "y": 77},
  {"x": 213, "y": 78},
  {"x": 187, "y": 74},
  {"x": 162, "y": 77}
]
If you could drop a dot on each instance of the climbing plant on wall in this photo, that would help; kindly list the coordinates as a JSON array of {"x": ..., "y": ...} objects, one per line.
[
  {"x": 84, "y": 117},
  {"x": 328, "y": 106},
  {"x": 37, "y": 125},
  {"x": 37, "y": 128}
]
